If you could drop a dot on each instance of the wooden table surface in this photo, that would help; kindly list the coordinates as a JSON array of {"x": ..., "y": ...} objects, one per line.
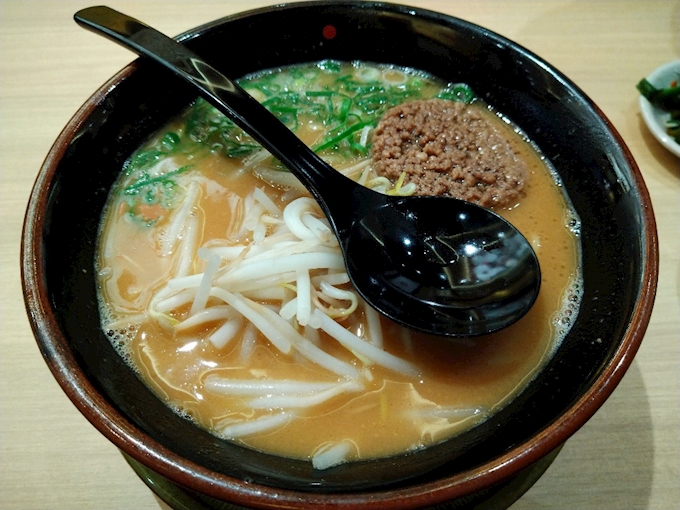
[{"x": 626, "y": 457}]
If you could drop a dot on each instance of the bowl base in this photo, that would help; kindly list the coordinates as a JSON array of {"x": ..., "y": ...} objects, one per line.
[{"x": 497, "y": 497}]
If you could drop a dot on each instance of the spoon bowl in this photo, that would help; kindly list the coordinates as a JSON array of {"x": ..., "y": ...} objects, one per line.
[
  {"x": 435, "y": 264},
  {"x": 443, "y": 271}
]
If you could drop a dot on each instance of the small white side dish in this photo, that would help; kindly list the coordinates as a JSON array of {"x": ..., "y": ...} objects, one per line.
[{"x": 654, "y": 117}]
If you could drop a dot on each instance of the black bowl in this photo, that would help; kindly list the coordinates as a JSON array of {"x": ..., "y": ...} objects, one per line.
[{"x": 619, "y": 250}]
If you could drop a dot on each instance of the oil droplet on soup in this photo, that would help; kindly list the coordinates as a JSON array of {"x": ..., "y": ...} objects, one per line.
[{"x": 221, "y": 284}]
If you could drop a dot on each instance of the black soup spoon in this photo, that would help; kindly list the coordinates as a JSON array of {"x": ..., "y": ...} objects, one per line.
[{"x": 435, "y": 264}]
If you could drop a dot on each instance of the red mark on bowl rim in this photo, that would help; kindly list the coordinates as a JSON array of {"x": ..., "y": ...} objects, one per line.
[{"x": 329, "y": 32}]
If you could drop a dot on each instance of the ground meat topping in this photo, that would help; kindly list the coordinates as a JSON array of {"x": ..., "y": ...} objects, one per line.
[{"x": 449, "y": 148}]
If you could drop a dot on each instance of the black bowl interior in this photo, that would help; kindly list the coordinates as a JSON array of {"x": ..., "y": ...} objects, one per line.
[{"x": 595, "y": 169}]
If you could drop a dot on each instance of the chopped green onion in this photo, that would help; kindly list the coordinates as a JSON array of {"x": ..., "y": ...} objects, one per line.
[
  {"x": 332, "y": 66},
  {"x": 320, "y": 93},
  {"x": 459, "y": 92},
  {"x": 146, "y": 181},
  {"x": 346, "y": 133}
]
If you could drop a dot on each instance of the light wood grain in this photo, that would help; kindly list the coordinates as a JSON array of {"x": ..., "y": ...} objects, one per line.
[{"x": 626, "y": 457}]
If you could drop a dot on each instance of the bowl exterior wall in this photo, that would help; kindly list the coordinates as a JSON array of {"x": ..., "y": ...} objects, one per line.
[{"x": 597, "y": 171}]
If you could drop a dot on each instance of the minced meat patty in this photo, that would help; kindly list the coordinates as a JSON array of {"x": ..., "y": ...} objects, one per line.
[{"x": 449, "y": 148}]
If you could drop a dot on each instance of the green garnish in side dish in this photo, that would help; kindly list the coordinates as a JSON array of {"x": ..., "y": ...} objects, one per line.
[{"x": 666, "y": 98}]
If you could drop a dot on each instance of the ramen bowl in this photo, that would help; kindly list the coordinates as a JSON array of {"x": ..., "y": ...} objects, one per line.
[{"x": 618, "y": 244}]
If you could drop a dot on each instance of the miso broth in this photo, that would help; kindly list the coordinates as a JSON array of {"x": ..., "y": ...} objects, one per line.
[{"x": 220, "y": 284}]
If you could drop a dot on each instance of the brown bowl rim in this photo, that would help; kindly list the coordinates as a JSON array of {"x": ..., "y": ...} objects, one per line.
[{"x": 145, "y": 450}]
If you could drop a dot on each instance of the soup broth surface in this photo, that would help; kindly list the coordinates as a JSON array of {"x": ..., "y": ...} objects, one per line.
[{"x": 186, "y": 217}]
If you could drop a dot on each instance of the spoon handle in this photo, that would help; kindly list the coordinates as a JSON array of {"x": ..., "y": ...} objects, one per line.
[{"x": 317, "y": 176}]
